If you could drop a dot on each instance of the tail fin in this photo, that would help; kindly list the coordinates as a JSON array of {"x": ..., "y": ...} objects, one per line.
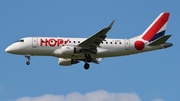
[{"x": 157, "y": 28}]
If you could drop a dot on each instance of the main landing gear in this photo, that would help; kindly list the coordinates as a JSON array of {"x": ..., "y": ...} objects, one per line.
[
  {"x": 28, "y": 57},
  {"x": 88, "y": 59},
  {"x": 86, "y": 66}
]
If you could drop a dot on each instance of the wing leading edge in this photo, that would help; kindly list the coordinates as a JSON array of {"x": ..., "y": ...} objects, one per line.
[{"x": 90, "y": 44}]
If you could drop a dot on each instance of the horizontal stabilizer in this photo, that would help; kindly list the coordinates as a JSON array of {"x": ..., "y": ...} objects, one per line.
[{"x": 160, "y": 40}]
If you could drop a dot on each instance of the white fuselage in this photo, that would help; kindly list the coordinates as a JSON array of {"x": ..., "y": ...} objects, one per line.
[{"x": 52, "y": 46}]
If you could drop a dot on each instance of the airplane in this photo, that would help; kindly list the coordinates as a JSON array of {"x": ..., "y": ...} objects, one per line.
[{"x": 71, "y": 51}]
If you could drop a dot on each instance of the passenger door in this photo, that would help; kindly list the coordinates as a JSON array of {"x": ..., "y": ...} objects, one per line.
[
  {"x": 34, "y": 42},
  {"x": 127, "y": 44}
]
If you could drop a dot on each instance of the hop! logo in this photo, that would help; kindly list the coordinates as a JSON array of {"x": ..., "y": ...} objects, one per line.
[{"x": 53, "y": 42}]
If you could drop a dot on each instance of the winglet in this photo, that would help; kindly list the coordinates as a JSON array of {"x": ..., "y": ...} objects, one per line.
[{"x": 111, "y": 24}]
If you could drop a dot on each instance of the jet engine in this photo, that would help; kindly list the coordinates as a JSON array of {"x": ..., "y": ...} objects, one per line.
[{"x": 67, "y": 62}]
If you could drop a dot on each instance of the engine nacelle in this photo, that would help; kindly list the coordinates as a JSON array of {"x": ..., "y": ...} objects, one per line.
[
  {"x": 69, "y": 50},
  {"x": 66, "y": 62}
]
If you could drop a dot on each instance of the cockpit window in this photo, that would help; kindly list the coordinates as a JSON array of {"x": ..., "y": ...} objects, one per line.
[{"x": 20, "y": 40}]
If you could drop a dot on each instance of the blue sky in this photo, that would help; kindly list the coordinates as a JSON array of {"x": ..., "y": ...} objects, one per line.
[{"x": 151, "y": 76}]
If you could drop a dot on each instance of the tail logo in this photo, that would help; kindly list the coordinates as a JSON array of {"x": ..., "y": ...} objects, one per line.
[
  {"x": 157, "y": 28},
  {"x": 139, "y": 45}
]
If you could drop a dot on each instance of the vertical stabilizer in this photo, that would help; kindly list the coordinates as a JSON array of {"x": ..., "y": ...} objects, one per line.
[{"x": 157, "y": 28}]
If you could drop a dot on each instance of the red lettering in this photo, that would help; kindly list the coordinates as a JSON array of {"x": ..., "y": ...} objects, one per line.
[
  {"x": 53, "y": 42},
  {"x": 60, "y": 41},
  {"x": 42, "y": 41},
  {"x": 65, "y": 42}
]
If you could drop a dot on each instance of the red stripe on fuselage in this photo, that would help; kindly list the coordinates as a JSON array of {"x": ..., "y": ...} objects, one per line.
[{"x": 156, "y": 27}]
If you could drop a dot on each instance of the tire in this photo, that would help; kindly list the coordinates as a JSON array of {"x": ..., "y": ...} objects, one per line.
[
  {"x": 28, "y": 62},
  {"x": 86, "y": 66}
]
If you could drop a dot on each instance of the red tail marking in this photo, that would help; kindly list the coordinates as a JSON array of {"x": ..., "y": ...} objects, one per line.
[{"x": 156, "y": 27}]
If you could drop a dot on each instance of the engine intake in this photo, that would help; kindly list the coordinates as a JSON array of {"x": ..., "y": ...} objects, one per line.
[{"x": 67, "y": 62}]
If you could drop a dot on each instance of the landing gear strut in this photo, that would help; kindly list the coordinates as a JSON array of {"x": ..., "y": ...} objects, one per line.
[
  {"x": 88, "y": 59},
  {"x": 28, "y": 57}
]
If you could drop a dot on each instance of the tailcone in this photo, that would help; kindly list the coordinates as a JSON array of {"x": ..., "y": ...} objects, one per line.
[{"x": 166, "y": 45}]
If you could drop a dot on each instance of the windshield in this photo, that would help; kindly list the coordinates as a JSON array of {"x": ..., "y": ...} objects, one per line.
[{"x": 20, "y": 40}]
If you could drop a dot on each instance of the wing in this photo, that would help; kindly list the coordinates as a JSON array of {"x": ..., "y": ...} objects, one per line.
[{"x": 91, "y": 44}]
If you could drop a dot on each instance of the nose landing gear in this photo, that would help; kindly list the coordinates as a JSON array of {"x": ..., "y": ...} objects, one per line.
[
  {"x": 28, "y": 57},
  {"x": 27, "y": 62}
]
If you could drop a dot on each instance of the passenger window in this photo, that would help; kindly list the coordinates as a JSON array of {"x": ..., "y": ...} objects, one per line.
[
  {"x": 106, "y": 42},
  {"x": 115, "y": 42},
  {"x": 69, "y": 41},
  {"x": 111, "y": 42},
  {"x": 78, "y": 41},
  {"x": 74, "y": 41}
]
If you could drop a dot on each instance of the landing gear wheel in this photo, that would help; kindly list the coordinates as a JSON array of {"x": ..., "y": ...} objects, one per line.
[
  {"x": 28, "y": 57},
  {"x": 28, "y": 62},
  {"x": 86, "y": 66}
]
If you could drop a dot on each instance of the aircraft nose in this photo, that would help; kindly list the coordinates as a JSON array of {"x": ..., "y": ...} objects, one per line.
[{"x": 8, "y": 49}]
